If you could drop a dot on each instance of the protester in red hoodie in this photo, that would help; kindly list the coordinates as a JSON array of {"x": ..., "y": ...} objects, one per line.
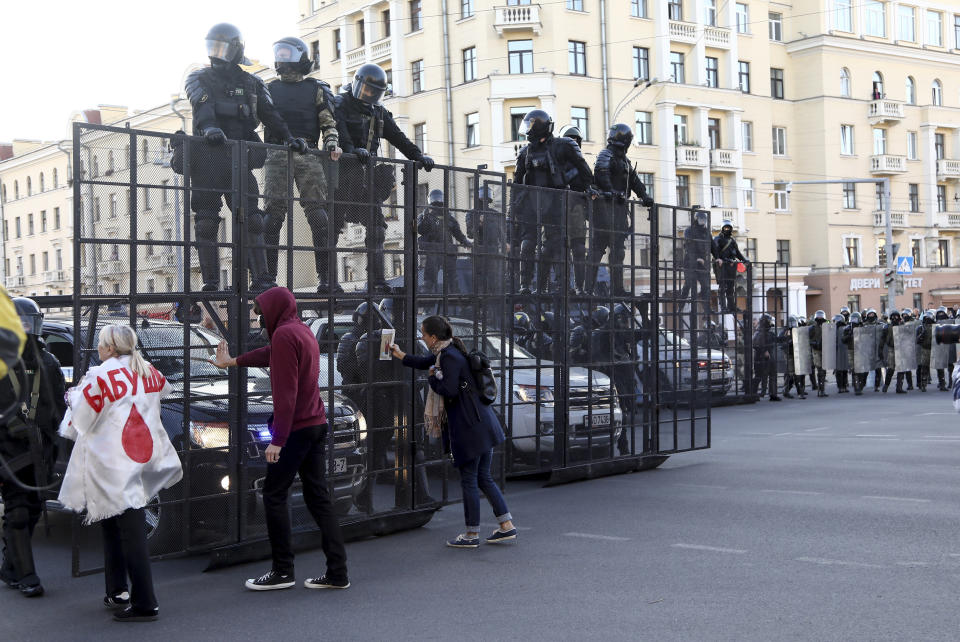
[{"x": 298, "y": 429}]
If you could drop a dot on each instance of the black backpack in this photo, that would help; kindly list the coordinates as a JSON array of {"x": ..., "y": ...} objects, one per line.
[{"x": 485, "y": 380}]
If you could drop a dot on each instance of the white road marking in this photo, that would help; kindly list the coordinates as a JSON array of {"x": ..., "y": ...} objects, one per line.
[
  {"x": 607, "y": 538},
  {"x": 897, "y": 499},
  {"x": 791, "y": 492},
  {"x": 817, "y": 429},
  {"x": 913, "y": 564},
  {"x": 711, "y": 486},
  {"x": 782, "y": 434},
  {"x": 884, "y": 436},
  {"x": 928, "y": 414},
  {"x": 714, "y": 549},
  {"x": 957, "y": 437},
  {"x": 828, "y": 562}
]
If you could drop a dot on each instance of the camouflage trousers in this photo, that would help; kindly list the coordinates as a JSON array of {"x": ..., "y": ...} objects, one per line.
[{"x": 308, "y": 175}]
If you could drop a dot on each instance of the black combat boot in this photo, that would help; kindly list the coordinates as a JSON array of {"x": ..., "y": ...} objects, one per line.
[
  {"x": 19, "y": 542},
  {"x": 909, "y": 376},
  {"x": 787, "y": 384},
  {"x": 900, "y": 390}
]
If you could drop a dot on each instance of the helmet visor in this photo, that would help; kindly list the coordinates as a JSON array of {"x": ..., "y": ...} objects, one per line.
[
  {"x": 368, "y": 93},
  {"x": 220, "y": 50},
  {"x": 285, "y": 52},
  {"x": 32, "y": 323}
]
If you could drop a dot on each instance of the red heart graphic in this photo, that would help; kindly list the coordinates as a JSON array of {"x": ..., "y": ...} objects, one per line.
[{"x": 137, "y": 441}]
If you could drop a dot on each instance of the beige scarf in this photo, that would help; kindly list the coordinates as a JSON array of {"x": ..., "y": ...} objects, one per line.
[{"x": 434, "y": 414}]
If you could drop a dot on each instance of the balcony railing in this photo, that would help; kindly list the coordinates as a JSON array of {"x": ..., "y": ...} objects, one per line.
[
  {"x": 948, "y": 168},
  {"x": 53, "y": 276},
  {"x": 517, "y": 17},
  {"x": 716, "y": 37},
  {"x": 882, "y": 110},
  {"x": 380, "y": 49},
  {"x": 689, "y": 156},
  {"x": 887, "y": 164},
  {"x": 724, "y": 159},
  {"x": 356, "y": 57},
  {"x": 683, "y": 31},
  {"x": 898, "y": 218},
  {"x": 953, "y": 219},
  {"x": 15, "y": 281}
]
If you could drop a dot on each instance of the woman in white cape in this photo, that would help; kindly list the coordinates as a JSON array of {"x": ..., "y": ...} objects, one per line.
[{"x": 122, "y": 459}]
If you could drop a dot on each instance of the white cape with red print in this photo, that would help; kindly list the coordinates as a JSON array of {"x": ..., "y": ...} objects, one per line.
[{"x": 123, "y": 456}]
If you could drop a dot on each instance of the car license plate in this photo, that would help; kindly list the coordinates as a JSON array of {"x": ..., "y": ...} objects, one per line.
[
  {"x": 339, "y": 465},
  {"x": 600, "y": 420}
]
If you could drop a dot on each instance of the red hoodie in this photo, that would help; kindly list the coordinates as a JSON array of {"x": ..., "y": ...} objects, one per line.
[{"x": 294, "y": 360}]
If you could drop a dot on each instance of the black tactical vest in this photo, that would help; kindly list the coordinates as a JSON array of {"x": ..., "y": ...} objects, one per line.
[
  {"x": 297, "y": 104},
  {"x": 234, "y": 99},
  {"x": 538, "y": 170}
]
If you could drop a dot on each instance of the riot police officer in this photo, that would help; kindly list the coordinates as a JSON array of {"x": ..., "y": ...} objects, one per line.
[
  {"x": 845, "y": 311},
  {"x": 887, "y": 345},
  {"x": 764, "y": 357},
  {"x": 847, "y": 338},
  {"x": 522, "y": 328},
  {"x": 306, "y": 105},
  {"x": 942, "y": 316},
  {"x": 541, "y": 342},
  {"x": 228, "y": 104},
  {"x": 613, "y": 346},
  {"x": 362, "y": 122},
  {"x": 871, "y": 318},
  {"x": 486, "y": 226},
  {"x": 577, "y": 213},
  {"x": 551, "y": 164},
  {"x": 785, "y": 340},
  {"x": 924, "y": 343},
  {"x": 906, "y": 316},
  {"x": 816, "y": 345},
  {"x": 843, "y": 364},
  {"x": 726, "y": 255},
  {"x": 28, "y": 443},
  {"x": 696, "y": 254},
  {"x": 438, "y": 229},
  {"x": 611, "y": 223}
]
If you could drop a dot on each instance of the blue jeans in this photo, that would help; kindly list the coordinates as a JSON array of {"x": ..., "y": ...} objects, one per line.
[{"x": 475, "y": 477}]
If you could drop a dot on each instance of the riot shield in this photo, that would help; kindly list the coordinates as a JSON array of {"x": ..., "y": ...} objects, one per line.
[
  {"x": 802, "y": 357},
  {"x": 865, "y": 340},
  {"x": 905, "y": 346},
  {"x": 940, "y": 354},
  {"x": 828, "y": 354},
  {"x": 843, "y": 355}
]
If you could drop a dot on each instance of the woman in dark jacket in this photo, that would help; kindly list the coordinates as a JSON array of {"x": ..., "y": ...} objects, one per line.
[{"x": 468, "y": 426}]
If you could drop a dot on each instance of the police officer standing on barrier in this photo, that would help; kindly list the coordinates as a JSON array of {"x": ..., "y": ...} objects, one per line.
[
  {"x": 577, "y": 213},
  {"x": 306, "y": 105},
  {"x": 28, "y": 444},
  {"x": 228, "y": 104},
  {"x": 726, "y": 254},
  {"x": 362, "y": 122},
  {"x": 544, "y": 162},
  {"x": 438, "y": 229},
  {"x": 765, "y": 357},
  {"x": 696, "y": 252},
  {"x": 611, "y": 221},
  {"x": 487, "y": 228}
]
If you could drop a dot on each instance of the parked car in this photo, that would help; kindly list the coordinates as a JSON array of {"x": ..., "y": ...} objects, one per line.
[{"x": 711, "y": 369}]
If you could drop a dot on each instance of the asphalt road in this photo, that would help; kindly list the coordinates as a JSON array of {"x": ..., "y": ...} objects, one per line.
[{"x": 823, "y": 519}]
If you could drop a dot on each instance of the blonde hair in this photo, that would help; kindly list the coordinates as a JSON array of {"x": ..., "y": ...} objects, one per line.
[{"x": 123, "y": 340}]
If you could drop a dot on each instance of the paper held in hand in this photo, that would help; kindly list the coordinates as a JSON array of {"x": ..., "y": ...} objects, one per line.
[{"x": 386, "y": 340}]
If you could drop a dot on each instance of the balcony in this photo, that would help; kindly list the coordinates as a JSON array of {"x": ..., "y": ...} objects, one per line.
[
  {"x": 716, "y": 37},
  {"x": 898, "y": 218},
  {"x": 884, "y": 111},
  {"x": 690, "y": 157},
  {"x": 724, "y": 160},
  {"x": 685, "y": 32},
  {"x": 516, "y": 18},
  {"x": 15, "y": 281},
  {"x": 113, "y": 267},
  {"x": 161, "y": 260},
  {"x": 948, "y": 169},
  {"x": 356, "y": 57},
  {"x": 380, "y": 50},
  {"x": 886, "y": 164},
  {"x": 54, "y": 276}
]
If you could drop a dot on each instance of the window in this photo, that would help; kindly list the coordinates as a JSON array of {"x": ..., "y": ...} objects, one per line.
[
  {"x": 29, "y": 224},
  {"x": 56, "y": 179},
  {"x": 575, "y": 5},
  {"x": 781, "y": 198},
  {"x": 845, "y": 82},
  {"x": 746, "y": 131},
  {"x": 168, "y": 236},
  {"x": 716, "y": 191},
  {"x": 879, "y": 141},
  {"x": 336, "y": 44},
  {"x": 713, "y": 133},
  {"x": 578, "y": 118},
  {"x": 148, "y": 237},
  {"x": 164, "y": 192},
  {"x": 683, "y": 190},
  {"x": 59, "y": 259},
  {"x": 710, "y": 12},
  {"x": 144, "y": 152},
  {"x": 851, "y": 251},
  {"x": 939, "y": 142},
  {"x": 641, "y": 63},
  {"x": 33, "y": 264},
  {"x": 19, "y": 265},
  {"x": 577, "y": 57},
  {"x": 676, "y": 67},
  {"x": 943, "y": 252},
  {"x": 941, "y": 198},
  {"x": 644, "y": 120},
  {"x": 42, "y": 184},
  {"x": 849, "y": 196},
  {"x": 743, "y": 76},
  {"x": 516, "y": 119},
  {"x": 416, "y": 15},
  {"x": 420, "y": 136},
  {"x": 749, "y": 194},
  {"x": 520, "y": 56},
  {"x": 17, "y": 226},
  {"x": 776, "y": 83},
  {"x": 473, "y": 129},
  {"x": 910, "y": 91},
  {"x": 776, "y": 26},
  {"x": 713, "y": 73},
  {"x": 466, "y": 9},
  {"x": 29, "y": 186},
  {"x": 915, "y": 251},
  {"x": 679, "y": 129},
  {"x": 675, "y": 9},
  {"x": 905, "y": 26},
  {"x": 846, "y": 140},
  {"x": 3, "y": 194},
  {"x": 416, "y": 73},
  {"x": 875, "y": 18},
  {"x": 783, "y": 251},
  {"x": 361, "y": 33},
  {"x": 56, "y": 218},
  {"x": 842, "y": 15},
  {"x": 151, "y": 285},
  {"x": 169, "y": 282},
  {"x": 911, "y": 145},
  {"x": 96, "y": 208},
  {"x": 638, "y": 8},
  {"x": 16, "y": 190},
  {"x": 877, "y": 91},
  {"x": 113, "y": 206},
  {"x": 315, "y": 53},
  {"x": 914, "y": 191},
  {"x": 956, "y": 31},
  {"x": 469, "y": 64},
  {"x": 743, "y": 18},
  {"x": 934, "y": 29},
  {"x": 146, "y": 198},
  {"x": 880, "y": 197},
  {"x": 936, "y": 91},
  {"x": 779, "y": 141},
  {"x": 750, "y": 249},
  {"x": 43, "y": 221}
]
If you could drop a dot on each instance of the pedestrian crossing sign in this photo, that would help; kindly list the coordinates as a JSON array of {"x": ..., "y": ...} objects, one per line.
[{"x": 905, "y": 265}]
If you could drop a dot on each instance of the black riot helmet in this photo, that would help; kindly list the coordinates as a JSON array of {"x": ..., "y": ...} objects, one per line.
[
  {"x": 701, "y": 217},
  {"x": 845, "y": 311},
  {"x": 291, "y": 56},
  {"x": 894, "y": 317},
  {"x": 942, "y": 313},
  {"x": 30, "y": 315},
  {"x": 521, "y": 323},
  {"x": 225, "y": 43},
  {"x": 906, "y": 314},
  {"x": 801, "y": 322},
  {"x": 820, "y": 316},
  {"x": 362, "y": 313},
  {"x": 578, "y": 338},
  {"x": 484, "y": 195},
  {"x": 793, "y": 321},
  {"x": 369, "y": 84},
  {"x": 855, "y": 319},
  {"x": 547, "y": 321},
  {"x": 839, "y": 319},
  {"x": 601, "y": 316},
  {"x": 621, "y": 316},
  {"x": 572, "y": 132},
  {"x": 536, "y": 124},
  {"x": 765, "y": 320},
  {"x": 727, "y": 229},
  {"x": 928, "y": 317},
  {"x": 871, "y": 315},
  {"x": 436, "y": 197},
  {"x": 620, "y": 136}
]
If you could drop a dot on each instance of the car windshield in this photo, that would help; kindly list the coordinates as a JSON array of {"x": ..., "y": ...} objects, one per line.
[
  {"x": 495, "y": 345},
  {"x": 163, "y": 347},
  {"x": 671, "y": 339}
]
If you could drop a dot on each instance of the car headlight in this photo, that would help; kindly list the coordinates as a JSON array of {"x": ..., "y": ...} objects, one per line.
[
  {"x": 210, "y": 434},
  {"x": 532, "y": 393}
]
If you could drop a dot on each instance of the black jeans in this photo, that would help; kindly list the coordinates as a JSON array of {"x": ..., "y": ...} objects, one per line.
[
  {"x": 125, "y": 553},
  {"x": 304, "y": 454}
]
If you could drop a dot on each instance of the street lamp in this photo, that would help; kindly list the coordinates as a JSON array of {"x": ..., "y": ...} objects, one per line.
[{"x": 629, "y": 98}]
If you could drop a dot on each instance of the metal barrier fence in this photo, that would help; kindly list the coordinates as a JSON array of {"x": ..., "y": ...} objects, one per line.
[{"x": 602, "y": 366}]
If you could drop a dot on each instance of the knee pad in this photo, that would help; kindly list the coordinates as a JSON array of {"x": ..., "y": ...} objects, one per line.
[
  {"x": 255, "y": 221},
  {"x": 376, "y": 236},
  {"x": 317, "y": 218},
  {"x": 273, "y": 223},
  {"x": 206, "y": 228}
]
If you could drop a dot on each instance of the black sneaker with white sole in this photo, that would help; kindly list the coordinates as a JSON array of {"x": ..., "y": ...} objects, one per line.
[
  {"x": 271, "y": 581},
  {"x": 502, "y": 536},
  {"x": 462, "y": 541},
  {"x": 118, "y": 601},
  {"x": 131, "y": 614},
  {"x": 325, "y": 582}
]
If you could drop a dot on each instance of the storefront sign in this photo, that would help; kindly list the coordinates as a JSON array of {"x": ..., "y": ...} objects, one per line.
[{"x": 877, "y": 283}]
